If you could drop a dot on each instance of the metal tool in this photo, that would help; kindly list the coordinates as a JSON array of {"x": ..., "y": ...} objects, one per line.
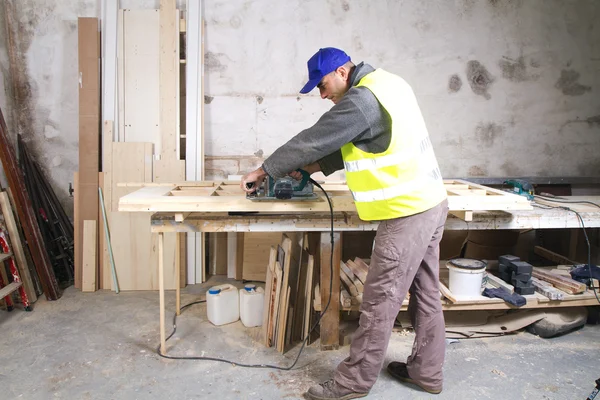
[
  {"x": 521, "y": 187},
  {"x": 286, "y": 188}
]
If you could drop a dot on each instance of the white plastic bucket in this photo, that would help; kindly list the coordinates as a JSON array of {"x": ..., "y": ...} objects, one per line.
[
  {"x": 466, "y": 276},
  {"x": 222, "y": 304},
  {"x": 251, "y": 305}
]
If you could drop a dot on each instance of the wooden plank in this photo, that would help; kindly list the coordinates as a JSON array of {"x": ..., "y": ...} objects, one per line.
[
  {"x": 446, "y": 292},
  {"x": 300, "y": 295},
  {"x": 309, "y": 292},
  {"x": 330, "y": 320},
  {"x": 90, "y": 233},
  {"x": 269, "y": 297},
  {"x": 348, "y": 284},
  {"x": 17, "y": 246},
  {"x": 547, "y": 289},
  {"x": 286, "y": 245},
  {"x": 141, "y": 101},
  {"x": 358, "y": 271},
  {"x": 89, "y": 123},
  {"x": 169, "y": 83},
  {"x": 552, "y": 256},
  {"x": 277, "y": 301},
  {"x": 563, "y": 283},
  {"x": 362, "y": 266}
]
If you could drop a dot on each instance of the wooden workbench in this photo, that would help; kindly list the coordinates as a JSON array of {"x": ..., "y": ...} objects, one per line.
[{"x": 221, "y": 207}]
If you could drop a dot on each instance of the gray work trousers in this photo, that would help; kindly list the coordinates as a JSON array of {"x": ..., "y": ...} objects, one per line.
[{"x": 405, "y": 257}]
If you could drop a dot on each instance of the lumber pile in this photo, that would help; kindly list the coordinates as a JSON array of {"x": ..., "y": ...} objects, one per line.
[
  {"x": 563, "y": 283},
  {"x": 353, "y": 275},
  {"x": 289, "y": 287}
]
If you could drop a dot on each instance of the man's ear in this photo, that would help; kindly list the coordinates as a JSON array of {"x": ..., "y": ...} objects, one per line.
[{"x": 344, "y": 72}]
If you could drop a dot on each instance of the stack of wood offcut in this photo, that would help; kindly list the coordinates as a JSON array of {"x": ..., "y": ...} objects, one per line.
[
  {"x": 353, "y": 275},
  {"x": 289, "y": 288}
]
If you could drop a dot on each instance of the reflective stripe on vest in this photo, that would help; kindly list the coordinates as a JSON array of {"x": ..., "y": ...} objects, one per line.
[
  {"x": 390, "y": 159},
  {"x": 398, "y": 190}
]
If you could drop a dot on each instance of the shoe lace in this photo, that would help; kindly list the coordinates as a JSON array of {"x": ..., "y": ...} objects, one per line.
[{"x": 329, "y": 385}]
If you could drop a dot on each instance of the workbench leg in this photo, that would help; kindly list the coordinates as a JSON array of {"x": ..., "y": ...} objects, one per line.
[
  {"x": 330, "y": 322},
  {"x": 177, "y": 274},
  {"x": 161, "y": 290}
]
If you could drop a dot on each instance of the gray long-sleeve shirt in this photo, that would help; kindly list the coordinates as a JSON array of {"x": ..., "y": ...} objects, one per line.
[{"x": 358, "y": 118}]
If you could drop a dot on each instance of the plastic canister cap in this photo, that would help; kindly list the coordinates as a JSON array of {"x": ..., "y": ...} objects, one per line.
[
  {"x": 214, "y": 290},
  {"x": 250, "y": 287}
]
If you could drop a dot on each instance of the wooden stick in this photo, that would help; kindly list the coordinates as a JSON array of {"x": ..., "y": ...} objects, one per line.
[
  {"x": 88, "y": 276},
  {"x": 546, "y": 289},
  {"x": 563, "y": 283},
  {"x": 552, "y": 256},
  {"x": 446, "y": 292}
]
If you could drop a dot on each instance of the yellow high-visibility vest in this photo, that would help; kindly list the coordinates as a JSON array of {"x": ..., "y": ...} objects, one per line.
[{"x": 405, "y": 179}]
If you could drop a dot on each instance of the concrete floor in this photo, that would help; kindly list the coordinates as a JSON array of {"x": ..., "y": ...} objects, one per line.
[{"x": 102, "y": 346}]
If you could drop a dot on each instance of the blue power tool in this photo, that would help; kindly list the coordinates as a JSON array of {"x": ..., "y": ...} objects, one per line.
[
  {"x": 521, "y": 187},
  {"x": 286, "y": 188}
]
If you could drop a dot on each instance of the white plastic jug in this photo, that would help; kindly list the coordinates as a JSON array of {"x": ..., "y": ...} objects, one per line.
[
  {"x": 251, "y": 305},
  {"x": 223, "y": 304}
]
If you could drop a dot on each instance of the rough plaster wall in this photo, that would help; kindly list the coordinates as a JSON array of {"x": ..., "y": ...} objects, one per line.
[
  {"x": 507, "y": 87},
  {"x": 47, "y": 116}
]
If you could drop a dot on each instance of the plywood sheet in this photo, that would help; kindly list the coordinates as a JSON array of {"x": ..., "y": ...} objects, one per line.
[{"x": 256, "y": 254}]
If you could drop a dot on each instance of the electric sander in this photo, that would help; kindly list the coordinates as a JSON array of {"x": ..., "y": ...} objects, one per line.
[{"x": 286, "y": 188}]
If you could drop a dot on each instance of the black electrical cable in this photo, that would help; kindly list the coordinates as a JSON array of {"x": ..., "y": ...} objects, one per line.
[
  {"x": 586, "y": 240},
  {"x": 303, "y": 342}
]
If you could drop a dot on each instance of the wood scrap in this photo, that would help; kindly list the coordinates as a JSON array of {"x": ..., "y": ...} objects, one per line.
[
  {"x": 269, "y": 296},
  {"x": 348, "y": 284},
  {"x": 563, "y": 283},
  {"x": 547, "y": 289},
  {"x": 360, "y": 268},
  {"x": 309, "y": 291},
  {"x": 552, "y": 256},
  {"x": 345, "y": 298},
  {"x": 446, "y": 292}
]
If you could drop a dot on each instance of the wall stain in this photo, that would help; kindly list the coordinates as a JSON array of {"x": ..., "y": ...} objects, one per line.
[
  {"x": 516, "y": 70},
  {"x": 213, "y": 63},
  {"x": 259, "y": 99},
  {"x": 345, "y": 6},
  {"x": 479, "y": 78},
  {"x": 568, "y": 84},
  {"x": 595, "y": 120},
  {"x": 454, "y": 83},
  {"x": 488, "y": 132},
  {"x": 208, "y": 99},
  {"x": 259, "y": 153},
  {"x": 477, "y": 170}
]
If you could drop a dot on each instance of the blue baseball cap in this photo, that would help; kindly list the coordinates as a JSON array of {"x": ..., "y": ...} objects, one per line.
[{"x": 323, "y": 62}]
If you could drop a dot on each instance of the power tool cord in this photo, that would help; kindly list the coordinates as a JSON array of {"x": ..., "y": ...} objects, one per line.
[
  {"x": 234, "y": 363},
  {"x": 586, "y": 240}
]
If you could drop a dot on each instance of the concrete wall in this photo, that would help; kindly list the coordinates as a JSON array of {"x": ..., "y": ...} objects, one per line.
[{"x": 507, "y": 87}]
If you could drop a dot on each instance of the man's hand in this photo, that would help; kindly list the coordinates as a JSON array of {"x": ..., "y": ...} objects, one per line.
[
  {"x": 255, "y": 178},
  {"x": 310, "y": 168}
]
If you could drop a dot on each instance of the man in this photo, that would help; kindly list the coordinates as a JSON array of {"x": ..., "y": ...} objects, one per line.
[{"x": 376, "y": 132}]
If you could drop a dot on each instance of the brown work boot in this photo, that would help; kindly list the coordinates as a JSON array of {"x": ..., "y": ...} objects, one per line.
[
  {"x": 329, "y": 390},
  {"x": 399, "y": 371}
]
